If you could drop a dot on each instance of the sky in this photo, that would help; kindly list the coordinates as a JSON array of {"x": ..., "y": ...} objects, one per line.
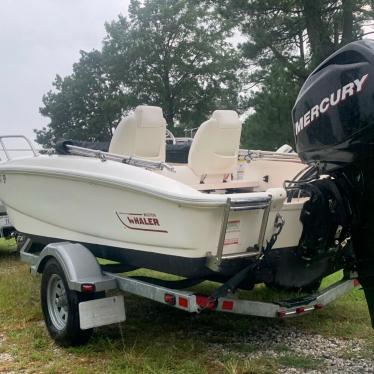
[{"x": 39, "y": 39}]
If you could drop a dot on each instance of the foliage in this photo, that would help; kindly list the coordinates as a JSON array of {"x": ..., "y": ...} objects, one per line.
[
  {"x": 178, "y": 57},
  {"x": 269, "y": 126},
  {"x": 285, "y": 40},
  {"x": 173, "y": 54},
  {"x": 84, "y": 106}
]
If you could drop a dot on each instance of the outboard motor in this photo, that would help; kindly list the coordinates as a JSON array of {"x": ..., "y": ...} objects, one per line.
[{"x": 333, "y": 120}]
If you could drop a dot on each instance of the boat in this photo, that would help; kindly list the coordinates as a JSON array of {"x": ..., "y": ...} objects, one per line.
[
  {"x": 207, "y": 219},
  {"x": 6, "y": 228},
  {"x": 280, "y": 218}
]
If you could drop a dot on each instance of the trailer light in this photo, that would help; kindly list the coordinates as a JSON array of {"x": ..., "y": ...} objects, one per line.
[
  {"x": 88, "y": 288},
  {"x": 300, "y": 310},
  {"x": 228, "y": 305},
  {"x": 204, "y": 302},
  {"x": 318, "y": 306},
  {"x": 169, "y": 299},
  {"x": 356, "y": 282},
  {"x": 183, "y": 302},
  {"x": 282, "y": 313}
]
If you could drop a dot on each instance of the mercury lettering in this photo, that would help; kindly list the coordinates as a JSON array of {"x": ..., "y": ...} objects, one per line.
[{"x": 334, "y": 99}]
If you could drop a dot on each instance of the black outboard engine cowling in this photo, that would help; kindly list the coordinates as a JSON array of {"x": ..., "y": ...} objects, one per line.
[
  {"x": 333, "y": 120},
  {"x": 334, "y": 115}
]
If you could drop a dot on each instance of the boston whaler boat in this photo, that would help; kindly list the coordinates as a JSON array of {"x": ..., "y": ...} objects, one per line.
[
  {"x": 196, "y": 220},
  {"x": 235, "y": 216}
]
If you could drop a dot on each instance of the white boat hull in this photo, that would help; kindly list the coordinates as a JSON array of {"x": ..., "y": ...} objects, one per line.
[{"x": 78, "y": 199}]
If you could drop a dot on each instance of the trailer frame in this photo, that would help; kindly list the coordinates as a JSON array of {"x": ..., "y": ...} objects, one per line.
[{"x": 85, "y": 275}]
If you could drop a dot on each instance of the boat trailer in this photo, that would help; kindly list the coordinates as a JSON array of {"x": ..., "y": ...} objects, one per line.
[{"x": 81, "y": 274}]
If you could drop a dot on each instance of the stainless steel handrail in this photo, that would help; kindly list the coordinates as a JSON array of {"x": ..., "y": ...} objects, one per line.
[
  {"x": 253, "y": 154},
  {"x": 214, "y": 261},
  {"x": 6, "y": 150},
  {"x": 80, "y": 151}
]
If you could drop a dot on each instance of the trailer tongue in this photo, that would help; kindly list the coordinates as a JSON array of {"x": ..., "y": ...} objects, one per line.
[{"x": 334, "y": 130}]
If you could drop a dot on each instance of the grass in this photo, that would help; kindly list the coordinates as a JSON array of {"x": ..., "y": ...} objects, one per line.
[{"x": 159, "y": 339}]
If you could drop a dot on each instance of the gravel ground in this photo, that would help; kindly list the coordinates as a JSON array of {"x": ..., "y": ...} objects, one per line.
[
  {"x": 4, "y": 357},
  {"x": 332, "y": 355}
]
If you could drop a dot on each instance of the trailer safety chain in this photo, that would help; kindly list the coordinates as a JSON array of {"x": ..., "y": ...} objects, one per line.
[
  {"x": 232, "y": 284},
  {"x": 278, "y": 225}
]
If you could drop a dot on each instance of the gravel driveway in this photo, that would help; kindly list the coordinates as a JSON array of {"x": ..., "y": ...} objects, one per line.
[{"x": 331, "y": 355}]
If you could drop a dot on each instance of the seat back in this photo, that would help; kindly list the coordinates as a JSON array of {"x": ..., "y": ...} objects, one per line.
[
  {"x": 141, "y": 135},
  {"x": 215, "y": 147}
]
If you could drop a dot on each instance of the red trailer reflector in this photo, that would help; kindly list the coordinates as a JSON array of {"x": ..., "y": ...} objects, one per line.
[
  {"x": 228, "y": 305},
  {"x": 282, "y": 313},
  {"x": 318, "y": 306},
  {"x": 88, "y": 288},
  {"x": 205, "y": 302},
  {"x": 356, "y": 282},
  {"x": 169, "y": 299},
  {"x": 183, "y": 302},
  {"x": 300, "y": 310}
]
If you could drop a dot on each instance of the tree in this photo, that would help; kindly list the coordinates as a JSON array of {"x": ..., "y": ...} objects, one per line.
[
  {"x": 176, "y": 56},
  {"x": 269, "y": 126},
  {"x": 84, "y": 106},
  {"x": 169, "y": 53},
  {"x": 285, "y": 40}
]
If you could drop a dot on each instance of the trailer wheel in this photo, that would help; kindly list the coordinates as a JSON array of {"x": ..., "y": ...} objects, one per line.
[{"x": 60, "y": 307}]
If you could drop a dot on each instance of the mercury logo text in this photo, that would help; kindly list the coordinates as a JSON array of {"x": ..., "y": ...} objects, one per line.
[{"x": 326, "y": 103}]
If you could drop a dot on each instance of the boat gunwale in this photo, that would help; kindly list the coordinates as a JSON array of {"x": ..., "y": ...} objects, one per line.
[{"x": 205, "y": 200}]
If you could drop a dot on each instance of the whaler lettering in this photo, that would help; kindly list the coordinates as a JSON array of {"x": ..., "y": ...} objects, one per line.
[
  {"x": 326, "y": 103},
  {"x": 143, "y": 221}
]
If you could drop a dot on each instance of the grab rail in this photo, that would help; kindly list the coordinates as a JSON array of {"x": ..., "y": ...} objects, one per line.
[
  {"x": 253, "y": 154},
  {"x": 214, "y": 261},
  {"x": 6, "y": 150},
  {"x": 80, "y": 151}
]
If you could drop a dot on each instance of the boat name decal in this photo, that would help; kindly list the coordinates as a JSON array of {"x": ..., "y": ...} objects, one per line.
[
  {"x": 326, "y": 103},
  {"x": 141, "y": 221}
]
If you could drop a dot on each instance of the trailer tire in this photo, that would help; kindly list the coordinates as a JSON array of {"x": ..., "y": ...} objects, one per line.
[{"x": 60, "y": 307}]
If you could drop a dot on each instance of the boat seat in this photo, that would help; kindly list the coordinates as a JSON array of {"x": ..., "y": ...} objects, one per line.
[
  {"x": 141, "y": 135},
  {"x": 215, "y": 147}
]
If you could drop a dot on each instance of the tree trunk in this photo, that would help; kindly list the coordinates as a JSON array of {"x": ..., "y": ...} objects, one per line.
[
  {"x": 169, "y": 116},
  {"x": 301, "y": 47},
  {"x": 347, "y": 35},
  {"x": 318, "y": 32}
]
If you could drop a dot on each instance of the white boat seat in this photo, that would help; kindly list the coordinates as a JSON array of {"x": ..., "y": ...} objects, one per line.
[
  {"x": 215, "y": 147},
  {"x": 141, "y": 135}
]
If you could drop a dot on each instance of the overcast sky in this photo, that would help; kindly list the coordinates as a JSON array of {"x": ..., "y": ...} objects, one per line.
[{"x": 39, "y": 39}]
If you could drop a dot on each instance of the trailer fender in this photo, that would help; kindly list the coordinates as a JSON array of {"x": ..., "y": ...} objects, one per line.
[{"x": 79, "y": 265}]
